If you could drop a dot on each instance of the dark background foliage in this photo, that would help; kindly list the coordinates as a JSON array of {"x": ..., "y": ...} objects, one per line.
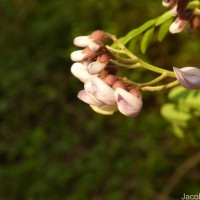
[{"x": 52, "y": 146}]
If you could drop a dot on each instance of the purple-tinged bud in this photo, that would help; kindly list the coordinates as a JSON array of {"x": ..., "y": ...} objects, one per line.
[
  {"x": 89, "y": 98},
  {"x": 178, "y": 26},
  {"x": 82, "y": 55},
  {"x": 188, "y": 77},
  {"x": 110, "y": 79},
  {"x": 105, "y": 110},
  {"x": 168, "y": 3},
  {"x": 99, "y": 65},
  {"x": 98, "y": 35},
  {"x": 79, "y": 70},
  {"x": 127, "y": 103},
  {"x": 119, "y": 84},
  {"x": 181, "y": 6},
  {"x": 100, "y": 90}
]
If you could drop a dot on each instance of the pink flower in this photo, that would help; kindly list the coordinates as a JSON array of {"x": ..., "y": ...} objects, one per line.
[
  {"x": 100, "y": 90},
  {"x": 89, "y": 98},
  {"x": 188, "y": 77},
  {"x": 127, "y": 103}
]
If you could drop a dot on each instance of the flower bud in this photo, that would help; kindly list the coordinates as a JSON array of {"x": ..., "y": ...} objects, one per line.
[
  {"x": 79, "y": 70},
  {"x": 84, "y": 41},
  {"x": 98, "y": 35},
  {"x": 119, "y": 84},
  {"x": 110, "y": 79},
  {"x": 82, "y": 55},
  {"x": 181, "y": 6},
  {"x": 178, "y": 26},
  {"x": 99, "y": 65},
  {"x": 127, "y": 103},
  {"x": 188, "y": 77},
  {"x": 100, "y": 90}
]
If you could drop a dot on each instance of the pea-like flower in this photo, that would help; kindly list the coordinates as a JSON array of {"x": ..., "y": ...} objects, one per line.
[
  {"x": 128, "y": 103},
  {"x": 188, "y": 77},
  {"x": 100, "y": 90}
]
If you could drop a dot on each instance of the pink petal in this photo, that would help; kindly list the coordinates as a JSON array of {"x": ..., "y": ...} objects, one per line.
[
  {"x": 127, "y": 103},
  {"x": 103, "y": 92},
  {"x": 89, "y": 98}
]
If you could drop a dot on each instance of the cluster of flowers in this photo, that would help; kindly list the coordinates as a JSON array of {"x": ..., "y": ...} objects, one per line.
[
  {"x": 103, "y": 90},
  {"x": 184, "y": 16}
]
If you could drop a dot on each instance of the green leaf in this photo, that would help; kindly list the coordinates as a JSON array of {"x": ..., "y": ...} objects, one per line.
[
  {"x": 187, "y": 97},
  {"x": 137, "y": 31},
  {"x": 166, "y": 16},
  {"x": 173, "y": 114},
  {"x": 146, "y": 39},
  {"x": 163, "y": 30},
  {"x": 178, "y": 131}
]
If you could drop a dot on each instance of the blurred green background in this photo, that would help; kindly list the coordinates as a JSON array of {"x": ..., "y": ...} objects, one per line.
[{"x": 53, "y": 146}]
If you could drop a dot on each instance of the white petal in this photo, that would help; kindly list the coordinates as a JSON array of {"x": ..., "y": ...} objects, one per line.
[
  {"x": 100, "y": 90},
  {"x": 80, "y": 71},
  {"x": 174, "y": 28},
  {"x": 104, "y": 110},
  {"x": 89, "y": 98},
  {"x": 82, "y": 41},
  {"x": 77, "y": 56},
  {"x": 127, "y": 103},
  {"x": 96, "y": 67},
  {"x": 94, "y": 46}
]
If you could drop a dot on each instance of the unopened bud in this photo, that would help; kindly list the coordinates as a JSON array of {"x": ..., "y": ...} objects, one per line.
[
  {"x": 119, "y": 84},
  {"x": 110, "y": 79},
  {"x": 188, "y": 77},
  {"x": 98, "y": 35},
  {"x": 82, "y": 55}
]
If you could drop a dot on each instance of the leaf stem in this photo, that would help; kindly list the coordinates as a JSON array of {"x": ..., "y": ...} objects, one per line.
[{"x": 161, "y": 87}]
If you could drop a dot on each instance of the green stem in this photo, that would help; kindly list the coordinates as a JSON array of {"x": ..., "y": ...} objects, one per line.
[
  {"x": 154, "y": 81},
  {"x": 132, "y": 66},
  {"x": 144, "y": 64},
  {"x": 161, "y": 87}
]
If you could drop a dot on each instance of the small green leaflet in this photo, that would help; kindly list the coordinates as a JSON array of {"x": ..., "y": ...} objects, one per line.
[
  {"x": 167, "y": 15},
  {"x": 163, "y": 29},
  {"x": 137, "y": 31},
  {"x": 146, "y": 39}
]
